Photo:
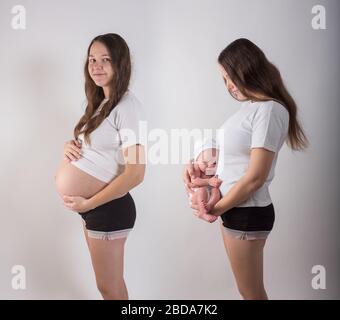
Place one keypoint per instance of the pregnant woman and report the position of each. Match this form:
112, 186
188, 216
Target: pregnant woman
252, 139
105, 161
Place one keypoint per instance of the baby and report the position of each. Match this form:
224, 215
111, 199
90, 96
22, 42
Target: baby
207, 192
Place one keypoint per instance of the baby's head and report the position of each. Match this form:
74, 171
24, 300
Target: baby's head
207, 161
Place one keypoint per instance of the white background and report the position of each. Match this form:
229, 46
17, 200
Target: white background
174, 44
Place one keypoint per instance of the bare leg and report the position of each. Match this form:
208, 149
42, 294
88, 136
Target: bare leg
202, 199
214, 198
86, 236
108, 263
246, 259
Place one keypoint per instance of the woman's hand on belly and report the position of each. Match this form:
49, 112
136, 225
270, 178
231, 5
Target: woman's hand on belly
72, 150
77, 203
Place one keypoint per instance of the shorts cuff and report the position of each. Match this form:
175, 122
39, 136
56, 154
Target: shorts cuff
108, 235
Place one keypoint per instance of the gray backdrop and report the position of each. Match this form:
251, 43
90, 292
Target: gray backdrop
174, 44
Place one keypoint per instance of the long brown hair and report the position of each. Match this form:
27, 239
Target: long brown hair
121, 63
252, 73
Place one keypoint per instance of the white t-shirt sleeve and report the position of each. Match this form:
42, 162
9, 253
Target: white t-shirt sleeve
128, 118
269, 127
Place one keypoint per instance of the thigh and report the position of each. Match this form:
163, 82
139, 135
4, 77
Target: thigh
107, 259
246, 260
85, 234
214, 195
202, 194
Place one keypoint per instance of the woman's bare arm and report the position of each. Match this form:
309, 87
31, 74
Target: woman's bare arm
260, 163
132, 176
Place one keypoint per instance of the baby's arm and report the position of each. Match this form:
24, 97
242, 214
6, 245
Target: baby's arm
197, 171
198, 181
214, 182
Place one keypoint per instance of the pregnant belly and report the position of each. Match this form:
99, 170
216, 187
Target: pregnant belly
72, 181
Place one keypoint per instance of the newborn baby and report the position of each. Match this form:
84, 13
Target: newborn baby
207, 191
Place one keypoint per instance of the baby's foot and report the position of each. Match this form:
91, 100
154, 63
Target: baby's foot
203, 212
202, 208
209, 218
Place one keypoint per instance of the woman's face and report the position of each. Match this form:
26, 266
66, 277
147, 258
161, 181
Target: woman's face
99, 67
232, 88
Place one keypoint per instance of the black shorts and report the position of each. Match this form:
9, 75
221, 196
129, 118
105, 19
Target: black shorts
249, 218
115, 216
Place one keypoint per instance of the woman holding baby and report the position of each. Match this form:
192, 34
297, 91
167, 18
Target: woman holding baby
249, 147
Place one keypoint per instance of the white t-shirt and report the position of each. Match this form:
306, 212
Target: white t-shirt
104, 158
254, 125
